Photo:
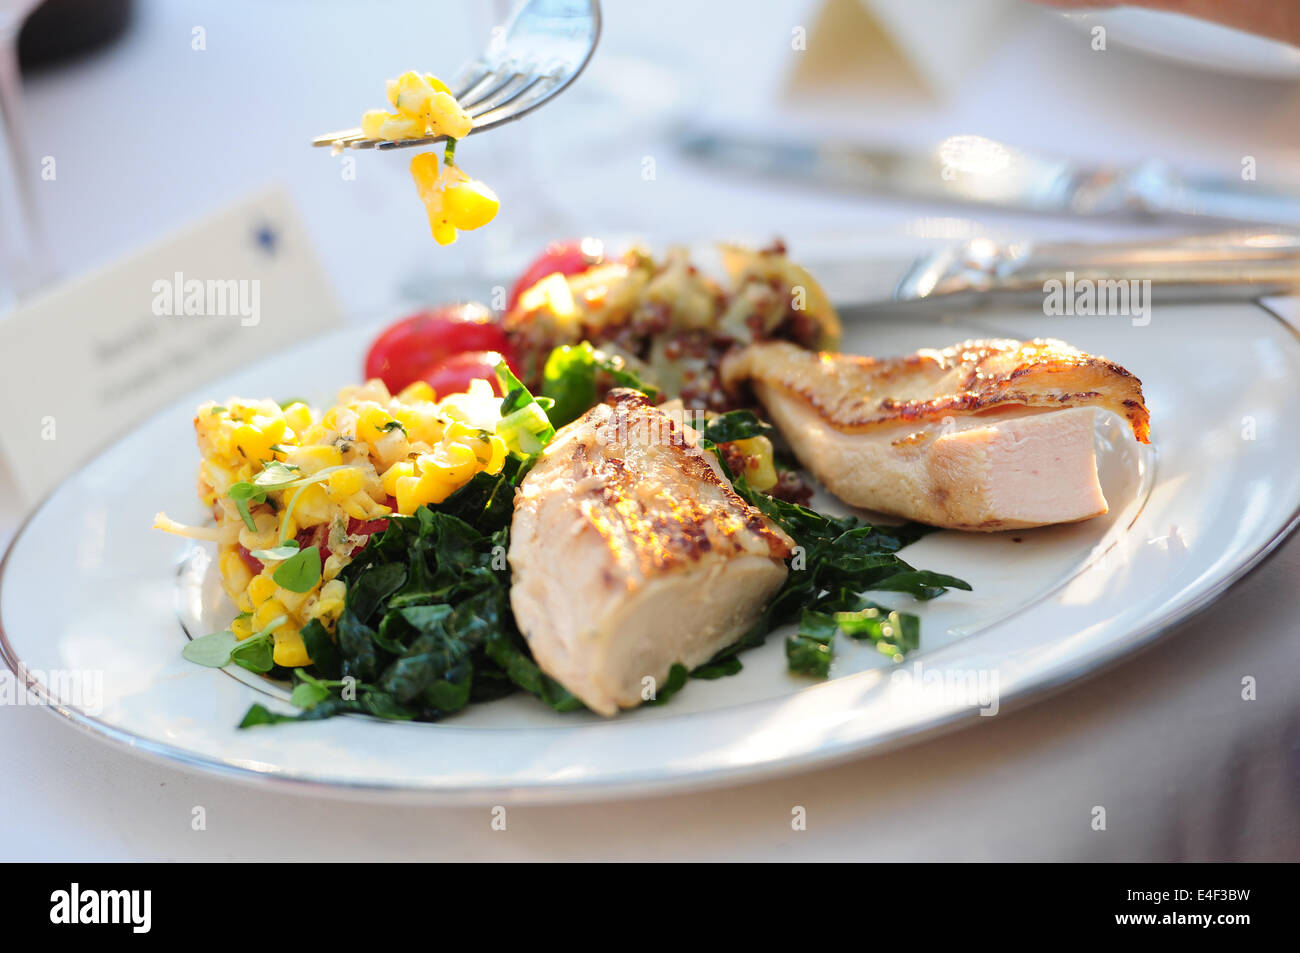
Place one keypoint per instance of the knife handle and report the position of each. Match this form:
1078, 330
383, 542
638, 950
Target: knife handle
1222, 265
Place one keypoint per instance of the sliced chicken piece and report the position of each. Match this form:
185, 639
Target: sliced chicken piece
631, 552
984, 435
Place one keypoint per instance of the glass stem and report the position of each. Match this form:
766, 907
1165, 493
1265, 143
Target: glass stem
30, 263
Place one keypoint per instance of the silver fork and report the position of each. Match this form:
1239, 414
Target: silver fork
545, 46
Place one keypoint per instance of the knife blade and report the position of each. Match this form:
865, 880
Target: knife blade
975, 170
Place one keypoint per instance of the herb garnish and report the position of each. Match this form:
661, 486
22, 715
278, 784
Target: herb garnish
570, 376
300, 572
219, 649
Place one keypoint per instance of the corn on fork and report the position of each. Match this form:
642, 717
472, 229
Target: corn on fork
544, 47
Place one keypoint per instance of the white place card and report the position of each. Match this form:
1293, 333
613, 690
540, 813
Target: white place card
84, 361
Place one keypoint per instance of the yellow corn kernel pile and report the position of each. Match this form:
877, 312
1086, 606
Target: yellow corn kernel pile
372, 454
423, 105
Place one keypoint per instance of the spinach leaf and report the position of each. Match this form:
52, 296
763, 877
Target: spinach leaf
320, 648
809, 650
261, 715
836, 559
673, 684
736, 425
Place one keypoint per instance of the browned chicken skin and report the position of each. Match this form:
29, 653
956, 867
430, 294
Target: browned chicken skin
983, 435
631, 553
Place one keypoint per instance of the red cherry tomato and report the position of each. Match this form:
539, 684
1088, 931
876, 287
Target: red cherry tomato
405, 350
453, 374
568, 258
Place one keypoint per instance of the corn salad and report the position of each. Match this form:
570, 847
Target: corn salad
331, 480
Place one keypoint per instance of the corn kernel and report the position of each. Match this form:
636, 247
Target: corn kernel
760, 470
355, 510
242, 627
372, 121
235, 575
406, 489
444, 233
399, 126
449, 462
424, 169
268, 612
416, 391
252, 443
498, 458
313, 507
260, 589
414, 95
292, 600
434, 488
290, 650
470, 204
345, 483
315, 458
272, 428
372, 422
298, 416
398, 470
330, 604
447, 115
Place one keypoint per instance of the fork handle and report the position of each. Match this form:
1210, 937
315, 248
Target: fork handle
1224, 265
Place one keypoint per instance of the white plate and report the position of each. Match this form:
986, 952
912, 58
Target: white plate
1196, 43
88, 586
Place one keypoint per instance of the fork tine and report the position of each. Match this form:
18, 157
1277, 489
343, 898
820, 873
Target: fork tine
468, 77
332, 137
535, 89
502, 94
488, 85
385, 145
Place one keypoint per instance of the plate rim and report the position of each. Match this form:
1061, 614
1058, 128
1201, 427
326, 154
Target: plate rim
627, 788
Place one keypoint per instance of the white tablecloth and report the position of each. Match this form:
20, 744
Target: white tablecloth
1185, 768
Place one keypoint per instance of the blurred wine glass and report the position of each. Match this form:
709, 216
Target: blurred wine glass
23, 262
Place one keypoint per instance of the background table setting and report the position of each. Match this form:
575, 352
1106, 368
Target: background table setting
192, 138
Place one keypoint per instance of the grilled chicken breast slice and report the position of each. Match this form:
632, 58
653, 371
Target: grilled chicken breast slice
631, 552
984, 435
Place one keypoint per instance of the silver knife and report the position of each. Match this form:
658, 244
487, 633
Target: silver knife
971, 169
1235, 265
